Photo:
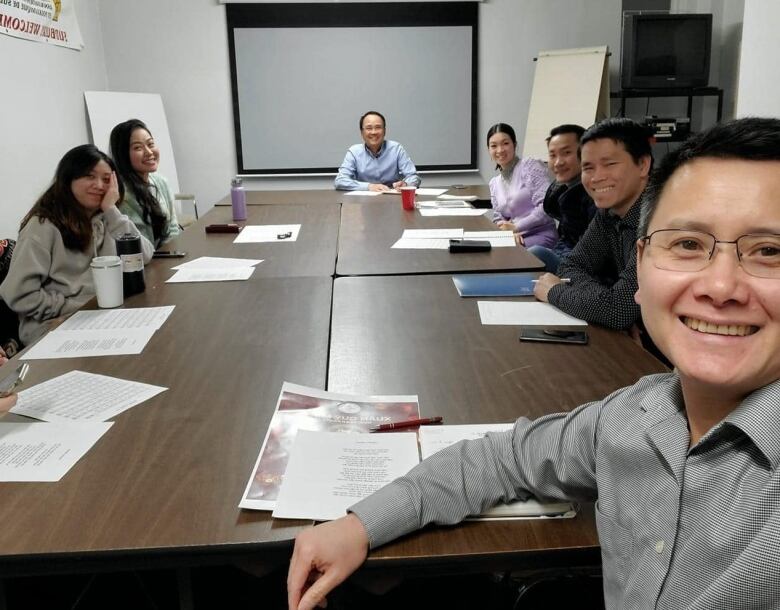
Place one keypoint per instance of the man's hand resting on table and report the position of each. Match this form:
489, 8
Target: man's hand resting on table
324, 556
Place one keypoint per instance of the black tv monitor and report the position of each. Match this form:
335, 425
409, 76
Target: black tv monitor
664, 51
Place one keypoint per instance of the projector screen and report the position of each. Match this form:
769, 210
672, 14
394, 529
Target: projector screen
300, 87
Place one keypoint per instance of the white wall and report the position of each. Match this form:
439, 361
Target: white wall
758, 87
42, 111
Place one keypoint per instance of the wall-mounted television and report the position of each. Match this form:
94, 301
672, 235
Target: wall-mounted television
663, 51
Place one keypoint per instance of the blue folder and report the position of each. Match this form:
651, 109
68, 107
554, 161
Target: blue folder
495, 284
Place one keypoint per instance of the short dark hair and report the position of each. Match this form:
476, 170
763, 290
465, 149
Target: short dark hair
502, 128
379, 114
59, 206
634, 137
577, 130
749, 139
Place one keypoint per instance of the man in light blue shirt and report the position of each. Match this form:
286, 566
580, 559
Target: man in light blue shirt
377, 164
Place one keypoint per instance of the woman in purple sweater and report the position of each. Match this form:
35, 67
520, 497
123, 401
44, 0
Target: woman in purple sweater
517, 193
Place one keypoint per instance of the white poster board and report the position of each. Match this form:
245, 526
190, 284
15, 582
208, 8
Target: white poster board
109, 108
570, 86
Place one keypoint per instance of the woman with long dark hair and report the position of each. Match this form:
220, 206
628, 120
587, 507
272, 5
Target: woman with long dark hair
517, 193
148, 199
74, 220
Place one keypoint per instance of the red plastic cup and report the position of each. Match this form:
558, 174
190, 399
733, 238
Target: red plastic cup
407, 197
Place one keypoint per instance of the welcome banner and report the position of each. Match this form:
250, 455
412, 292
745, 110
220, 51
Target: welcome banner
50, 21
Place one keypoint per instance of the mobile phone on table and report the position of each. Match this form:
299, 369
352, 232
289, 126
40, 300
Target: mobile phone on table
9, 384
169, 254
578, 337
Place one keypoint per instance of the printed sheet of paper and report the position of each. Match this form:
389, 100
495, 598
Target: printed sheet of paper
362, 193
421, 192
253, 234
512, 313
497, 239
101, 332
218, 262
444, 203
45, 452
457, 197
303, 408
447, 211
436, 438
211, 275
87, 343
80, 396
432, 234
329, 471
143, 318
421, 244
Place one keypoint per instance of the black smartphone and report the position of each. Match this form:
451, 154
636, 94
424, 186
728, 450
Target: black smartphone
9, 384
169, 254
578, 337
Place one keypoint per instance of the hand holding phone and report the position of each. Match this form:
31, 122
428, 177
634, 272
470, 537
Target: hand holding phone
9, 384
578, 337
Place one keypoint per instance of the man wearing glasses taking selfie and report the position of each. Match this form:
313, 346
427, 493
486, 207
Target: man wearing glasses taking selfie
684, 466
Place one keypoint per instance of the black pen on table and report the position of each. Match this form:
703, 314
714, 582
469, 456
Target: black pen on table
409, 423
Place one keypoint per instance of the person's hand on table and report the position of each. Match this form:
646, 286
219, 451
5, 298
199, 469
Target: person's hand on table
7, 402
519, 239
378, 187
323, 557
399, 184
3, 357
543, 285
505, 225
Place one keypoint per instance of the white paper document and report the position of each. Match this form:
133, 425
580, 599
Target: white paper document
101, 332
45, 452
497, 239
513, 313
447, 211
211, 275
329, 471
80, 396
449, 203
456, 197
218, 262
421, 192
150, 318
421, 244
253, 234
86, 343
362, 193
432, 234
436, 438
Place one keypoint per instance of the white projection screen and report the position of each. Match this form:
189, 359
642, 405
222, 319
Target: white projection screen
301, 83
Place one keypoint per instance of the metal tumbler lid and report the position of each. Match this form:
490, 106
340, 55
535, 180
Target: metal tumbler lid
236, 181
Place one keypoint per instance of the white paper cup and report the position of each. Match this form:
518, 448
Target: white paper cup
107, 277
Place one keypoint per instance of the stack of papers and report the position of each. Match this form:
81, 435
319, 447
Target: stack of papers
214, 269
362, 193
421, 192
497, 239
525, 314
451, 211
456, 197
253, 234
101, 332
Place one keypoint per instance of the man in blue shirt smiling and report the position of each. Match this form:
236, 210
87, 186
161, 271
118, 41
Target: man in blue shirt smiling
377, 164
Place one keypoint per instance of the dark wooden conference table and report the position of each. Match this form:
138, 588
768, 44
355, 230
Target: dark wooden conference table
161, 488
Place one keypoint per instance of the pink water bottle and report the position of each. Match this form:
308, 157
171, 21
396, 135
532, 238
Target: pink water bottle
238, 199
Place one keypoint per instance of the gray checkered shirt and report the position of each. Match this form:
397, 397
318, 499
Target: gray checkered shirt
679, 527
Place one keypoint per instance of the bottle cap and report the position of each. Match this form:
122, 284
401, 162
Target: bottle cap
236, 182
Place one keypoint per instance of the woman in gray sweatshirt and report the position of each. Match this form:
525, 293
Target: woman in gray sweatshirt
75, 220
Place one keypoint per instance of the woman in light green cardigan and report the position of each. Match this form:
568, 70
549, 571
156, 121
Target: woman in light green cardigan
148, 200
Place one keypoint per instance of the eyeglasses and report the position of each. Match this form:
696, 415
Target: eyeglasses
683, 250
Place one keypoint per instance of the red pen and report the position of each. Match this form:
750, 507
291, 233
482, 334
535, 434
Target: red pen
409, 423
